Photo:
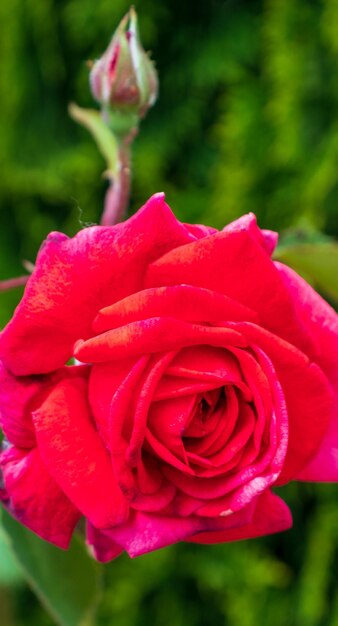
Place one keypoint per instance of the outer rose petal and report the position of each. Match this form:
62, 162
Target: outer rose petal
74, 278
266, 238
271, 515
35, 499
19, 396
319, 317
322, 320
15, 418
324, 466
75, 456
235, 264
145, 532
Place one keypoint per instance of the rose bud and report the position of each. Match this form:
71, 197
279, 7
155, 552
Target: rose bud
124, 78
209, 376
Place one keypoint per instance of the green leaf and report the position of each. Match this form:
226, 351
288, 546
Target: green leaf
317, 262
10, 572
67, 583
104, 138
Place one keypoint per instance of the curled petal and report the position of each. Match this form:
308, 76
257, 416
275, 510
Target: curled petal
180, 301
153, 335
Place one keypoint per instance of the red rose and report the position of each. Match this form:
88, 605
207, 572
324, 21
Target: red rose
208, 376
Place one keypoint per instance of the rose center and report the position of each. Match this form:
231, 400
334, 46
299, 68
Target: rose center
202, 419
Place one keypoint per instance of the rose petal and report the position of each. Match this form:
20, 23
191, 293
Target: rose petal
145, 532
120, 417
200, 230
15, 418
75, 455
149, 477
181, 301
235, 264
172, 386
102, 548
152, 335
160, 450
74, 278
324, 466
307, 394
206, 363
318, 316
144, 400
267, 239
35, 499
157, 501
224, 422
19, 396
271, 515
243, 431
244, 484
167, 422
323, 323
104, 381
201, 368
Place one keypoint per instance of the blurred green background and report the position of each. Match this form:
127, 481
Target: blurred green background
246, 121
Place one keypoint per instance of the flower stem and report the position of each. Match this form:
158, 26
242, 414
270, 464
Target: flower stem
118, 193
11, 283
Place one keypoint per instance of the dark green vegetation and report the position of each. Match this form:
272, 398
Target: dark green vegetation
246, 121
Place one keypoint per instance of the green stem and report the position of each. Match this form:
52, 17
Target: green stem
113, 135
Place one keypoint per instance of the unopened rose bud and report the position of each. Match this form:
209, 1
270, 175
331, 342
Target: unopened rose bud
124, 78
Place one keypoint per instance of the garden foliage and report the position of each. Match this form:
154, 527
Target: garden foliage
246, 121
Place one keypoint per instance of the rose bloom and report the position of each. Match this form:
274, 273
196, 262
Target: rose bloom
205, 374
